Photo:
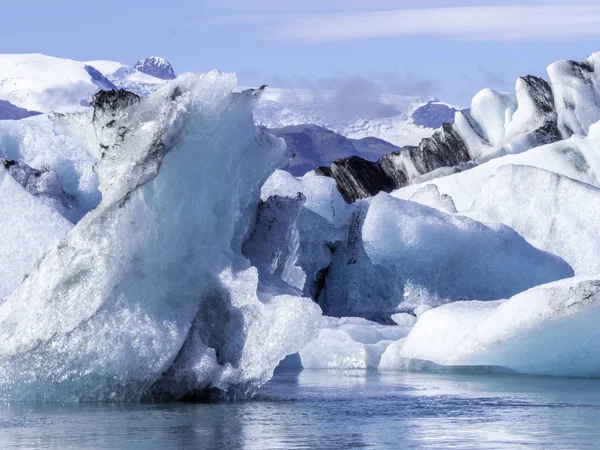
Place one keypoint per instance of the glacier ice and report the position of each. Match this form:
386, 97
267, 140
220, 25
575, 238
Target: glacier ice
380, 256
149, 295
351, 343
576, 157
576, 91
493, 112
29, 229
552, 212
401, 255
429, 195
498, 124
548, 330
44, 144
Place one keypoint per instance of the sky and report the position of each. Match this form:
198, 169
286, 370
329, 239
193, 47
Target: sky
428, 48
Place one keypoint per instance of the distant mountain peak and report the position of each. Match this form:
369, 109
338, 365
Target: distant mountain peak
157, 67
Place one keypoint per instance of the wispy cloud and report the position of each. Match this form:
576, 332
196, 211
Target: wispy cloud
485, 23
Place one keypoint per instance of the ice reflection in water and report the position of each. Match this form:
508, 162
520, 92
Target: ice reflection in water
326, 409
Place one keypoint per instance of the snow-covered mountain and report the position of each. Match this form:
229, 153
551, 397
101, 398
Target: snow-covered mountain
41, 83
399, 120
203, 265
156, 67
315, 146
128, 78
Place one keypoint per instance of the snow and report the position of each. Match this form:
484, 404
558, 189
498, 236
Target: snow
553, 212
350, 343
157, 67
43, 83
171, 306
434, 115
548, 330
128, 78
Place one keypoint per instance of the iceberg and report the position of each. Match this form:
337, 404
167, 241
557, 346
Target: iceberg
548, 330
401, 255
149, 296
576, 157
351, 343
552, 212
380, 256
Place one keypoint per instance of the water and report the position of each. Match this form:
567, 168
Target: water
323, 410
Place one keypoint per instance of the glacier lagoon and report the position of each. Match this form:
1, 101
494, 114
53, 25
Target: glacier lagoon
333, 409
153, 281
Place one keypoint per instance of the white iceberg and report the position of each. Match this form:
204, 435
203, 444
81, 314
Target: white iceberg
149, 295
380, 256
548, 330
401, 255
552, 212
351, 343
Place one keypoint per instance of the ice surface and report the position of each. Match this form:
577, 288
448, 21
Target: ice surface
576, 89
29, 229
149, 295
401, 255
553, 212
577, 158
429, 195
493, 112
382, 255
350, 343
299, 221
548, 330
41, 143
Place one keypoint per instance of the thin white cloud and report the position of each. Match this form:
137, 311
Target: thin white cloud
487, 23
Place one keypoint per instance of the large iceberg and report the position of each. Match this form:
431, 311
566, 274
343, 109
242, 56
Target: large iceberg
149, 295
548, 330
401, 255
577, 157
382, 255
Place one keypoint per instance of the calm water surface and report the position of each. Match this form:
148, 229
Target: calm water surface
323, 410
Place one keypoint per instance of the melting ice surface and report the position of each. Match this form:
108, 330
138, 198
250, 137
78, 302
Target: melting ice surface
328, 409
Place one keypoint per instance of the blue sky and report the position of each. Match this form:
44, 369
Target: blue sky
448, 49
